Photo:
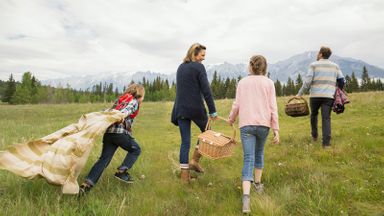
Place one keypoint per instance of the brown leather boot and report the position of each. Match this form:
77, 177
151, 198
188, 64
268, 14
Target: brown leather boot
184, 175
194, 163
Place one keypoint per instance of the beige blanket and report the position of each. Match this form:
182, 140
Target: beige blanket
60, 156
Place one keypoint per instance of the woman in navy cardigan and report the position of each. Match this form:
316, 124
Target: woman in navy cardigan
191, 87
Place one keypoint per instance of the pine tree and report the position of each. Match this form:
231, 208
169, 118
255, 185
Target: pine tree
10, 89
278, 88
299, 83
215, 86
23, 93
365, 80
290, 88
354, 86
347, 86
379, 84
284, 90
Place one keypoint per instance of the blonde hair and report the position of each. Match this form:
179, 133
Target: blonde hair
136, 90
193, 51
258, 65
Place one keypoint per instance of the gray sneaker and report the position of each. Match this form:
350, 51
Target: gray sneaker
259, 187
246, 204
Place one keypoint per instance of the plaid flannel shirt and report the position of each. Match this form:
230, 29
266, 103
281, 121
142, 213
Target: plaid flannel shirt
125, 126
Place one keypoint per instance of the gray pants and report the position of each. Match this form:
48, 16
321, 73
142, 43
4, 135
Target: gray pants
326, 106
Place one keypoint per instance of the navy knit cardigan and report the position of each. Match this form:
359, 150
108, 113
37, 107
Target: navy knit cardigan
191, 87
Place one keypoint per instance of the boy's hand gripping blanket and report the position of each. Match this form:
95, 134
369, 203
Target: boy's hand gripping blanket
60, 156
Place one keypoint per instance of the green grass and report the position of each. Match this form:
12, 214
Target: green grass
300, 177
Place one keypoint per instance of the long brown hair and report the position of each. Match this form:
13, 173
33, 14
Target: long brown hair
258, 65
193, 51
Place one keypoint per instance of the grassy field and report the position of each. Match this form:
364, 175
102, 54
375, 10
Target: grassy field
300, 177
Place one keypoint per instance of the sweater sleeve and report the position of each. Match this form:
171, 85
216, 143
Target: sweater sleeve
273, 108
235, 106
307, 82
206, 90
131, 107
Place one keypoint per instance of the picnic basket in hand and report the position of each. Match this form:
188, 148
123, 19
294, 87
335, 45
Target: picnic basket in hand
215, 145
297, 107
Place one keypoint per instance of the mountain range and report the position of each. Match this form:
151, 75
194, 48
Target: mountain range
291, 67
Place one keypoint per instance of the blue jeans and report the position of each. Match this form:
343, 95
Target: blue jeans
111, 141
253, 139
185, 133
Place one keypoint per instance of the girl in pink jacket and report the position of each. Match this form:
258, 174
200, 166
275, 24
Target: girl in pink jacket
256, 106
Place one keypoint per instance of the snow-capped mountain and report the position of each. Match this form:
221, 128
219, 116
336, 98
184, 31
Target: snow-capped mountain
299, 64
281, 70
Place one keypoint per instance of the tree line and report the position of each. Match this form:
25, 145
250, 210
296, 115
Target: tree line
30, 90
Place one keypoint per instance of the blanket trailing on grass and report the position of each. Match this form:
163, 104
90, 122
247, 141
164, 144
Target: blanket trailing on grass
60, 156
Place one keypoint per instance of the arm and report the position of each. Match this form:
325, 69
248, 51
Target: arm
206, 90
307, 82
340, 81
131, 108
115, 104
273, 108
235, 107
274, 115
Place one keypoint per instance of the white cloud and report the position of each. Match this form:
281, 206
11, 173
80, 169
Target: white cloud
63, 38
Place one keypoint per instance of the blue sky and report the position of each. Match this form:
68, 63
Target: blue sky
55, 39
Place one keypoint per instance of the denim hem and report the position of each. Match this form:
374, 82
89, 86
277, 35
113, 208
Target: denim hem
90, 182
123, 168
245, 178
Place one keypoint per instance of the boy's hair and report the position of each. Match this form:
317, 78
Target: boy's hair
136, 90
193, 51
326, 52
258, 65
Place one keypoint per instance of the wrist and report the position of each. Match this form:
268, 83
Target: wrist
213, 114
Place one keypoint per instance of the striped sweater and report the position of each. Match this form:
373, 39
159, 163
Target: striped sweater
321, 79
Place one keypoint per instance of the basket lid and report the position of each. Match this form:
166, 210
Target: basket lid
214, 138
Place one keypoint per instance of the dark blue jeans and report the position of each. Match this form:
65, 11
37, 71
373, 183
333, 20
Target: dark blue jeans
326, 107
111, 142
185, 133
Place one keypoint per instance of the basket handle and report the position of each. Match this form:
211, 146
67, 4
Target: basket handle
300, 98
223, 119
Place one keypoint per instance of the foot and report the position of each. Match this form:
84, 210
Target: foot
246, 204
259, 187
124, 176
326, 147
193, 165
185, 176
314, 139
85, 188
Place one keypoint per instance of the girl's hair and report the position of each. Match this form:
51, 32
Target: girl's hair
193, 51
136, 90
258, 65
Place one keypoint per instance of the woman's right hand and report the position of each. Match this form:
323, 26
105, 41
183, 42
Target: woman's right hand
276, 137
229, 122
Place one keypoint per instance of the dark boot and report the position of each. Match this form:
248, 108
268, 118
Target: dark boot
194, 163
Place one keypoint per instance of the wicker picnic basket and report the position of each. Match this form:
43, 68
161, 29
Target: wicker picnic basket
297, 107
215, 145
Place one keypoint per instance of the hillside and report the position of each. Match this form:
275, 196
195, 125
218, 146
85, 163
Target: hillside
300, 177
